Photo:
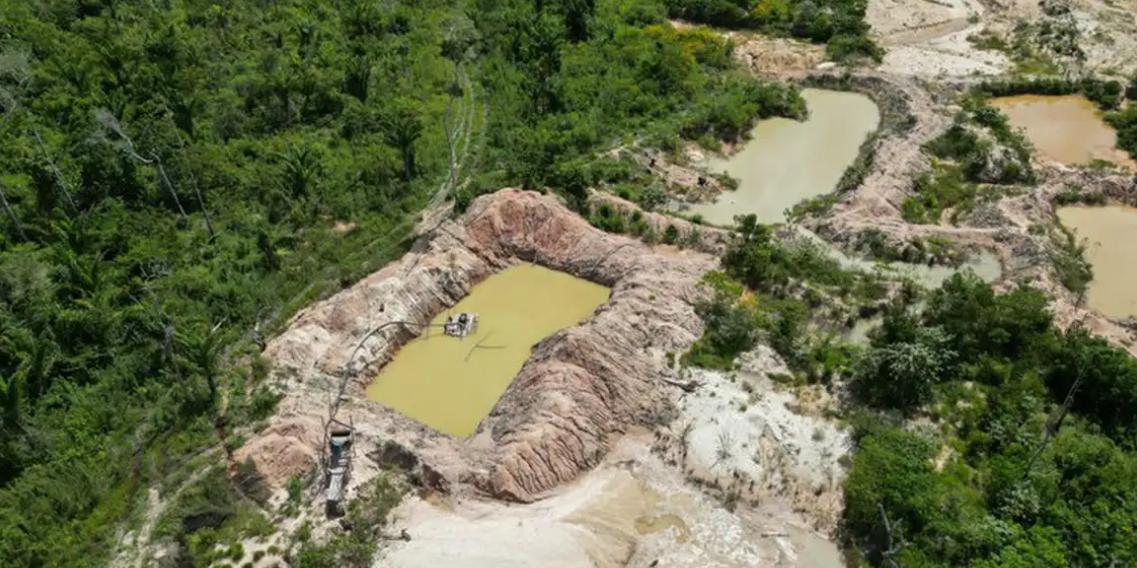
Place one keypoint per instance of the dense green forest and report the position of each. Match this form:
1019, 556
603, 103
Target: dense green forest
177, 178
1002, 474
985, 436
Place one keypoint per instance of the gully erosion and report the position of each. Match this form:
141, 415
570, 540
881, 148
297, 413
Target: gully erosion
579, 388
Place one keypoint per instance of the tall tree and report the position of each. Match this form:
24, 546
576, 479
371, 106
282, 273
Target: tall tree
578, 16
402, 128
202, 349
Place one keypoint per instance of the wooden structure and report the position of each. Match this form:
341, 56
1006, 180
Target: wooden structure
341, 438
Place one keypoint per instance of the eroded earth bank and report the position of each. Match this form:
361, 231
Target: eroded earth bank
599, 426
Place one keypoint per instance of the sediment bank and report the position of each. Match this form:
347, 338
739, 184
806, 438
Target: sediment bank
580, 387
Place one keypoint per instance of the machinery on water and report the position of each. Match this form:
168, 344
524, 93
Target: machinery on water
461, 325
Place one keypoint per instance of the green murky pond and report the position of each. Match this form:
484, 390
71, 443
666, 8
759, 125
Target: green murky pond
983, 264
651, 524
1109, 233
787, 161
451, 384
1068, 129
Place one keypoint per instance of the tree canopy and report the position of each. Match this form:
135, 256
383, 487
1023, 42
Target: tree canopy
177, 178
1001, 475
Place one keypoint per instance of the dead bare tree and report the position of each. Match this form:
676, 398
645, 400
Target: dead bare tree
893, 545
60, 182
1054, 423
451, 141
14, 77
124, 143
15, 69
12, 214
197, 190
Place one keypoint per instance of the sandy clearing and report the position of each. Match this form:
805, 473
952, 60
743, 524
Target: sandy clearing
645, 507
929, 38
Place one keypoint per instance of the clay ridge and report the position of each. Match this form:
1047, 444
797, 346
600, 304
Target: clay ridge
580, 388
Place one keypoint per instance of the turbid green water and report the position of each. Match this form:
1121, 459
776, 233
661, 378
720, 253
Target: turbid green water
985, 265
1110, 232
451, 384
648, 524
787, 161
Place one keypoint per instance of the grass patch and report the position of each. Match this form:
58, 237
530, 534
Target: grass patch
355, 543
942, 188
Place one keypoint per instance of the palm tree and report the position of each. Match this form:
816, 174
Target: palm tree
402, 128
202, 350
301, 167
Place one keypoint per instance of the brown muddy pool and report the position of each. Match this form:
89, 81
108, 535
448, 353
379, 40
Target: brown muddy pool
1109, 233
451, 384
1068, 129
787, 161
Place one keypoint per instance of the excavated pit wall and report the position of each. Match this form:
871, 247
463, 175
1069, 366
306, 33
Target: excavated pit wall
580, 388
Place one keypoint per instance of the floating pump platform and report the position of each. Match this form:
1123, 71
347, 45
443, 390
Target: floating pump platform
461, 325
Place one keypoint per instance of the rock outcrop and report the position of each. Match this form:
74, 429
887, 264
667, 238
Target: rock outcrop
581, 386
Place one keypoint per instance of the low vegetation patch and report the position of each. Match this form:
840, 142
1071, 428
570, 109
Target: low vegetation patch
984, 146
354, 543
1073, 195
1125, 122
876, 245
942, 188
773, 291
613, 220
209, 519
1107, 94
1069, 259
1043, 46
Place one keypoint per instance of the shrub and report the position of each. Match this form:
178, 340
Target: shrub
1069, 260
935, 191
901, 374
1126, 124
847, 47
729, 330
978, 321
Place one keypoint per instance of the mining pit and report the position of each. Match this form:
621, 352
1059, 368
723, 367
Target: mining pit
451, 383
579, 387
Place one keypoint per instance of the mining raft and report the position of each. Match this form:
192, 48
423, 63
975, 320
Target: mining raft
461, 325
